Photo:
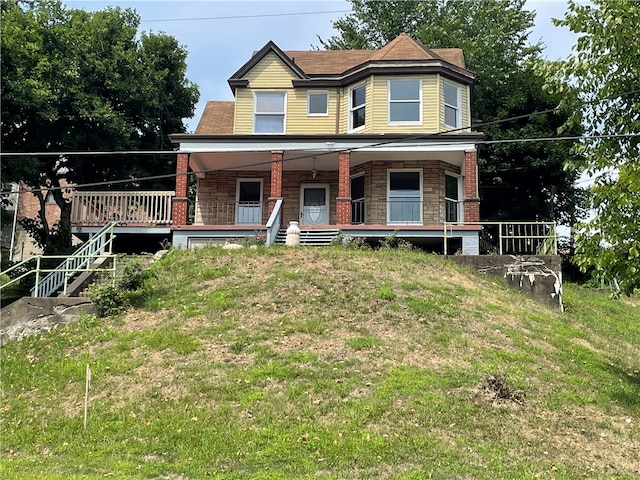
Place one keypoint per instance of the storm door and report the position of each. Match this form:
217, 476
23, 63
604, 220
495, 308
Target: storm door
314, 208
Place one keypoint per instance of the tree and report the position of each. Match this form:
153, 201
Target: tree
518, 181
79, 81
605, 72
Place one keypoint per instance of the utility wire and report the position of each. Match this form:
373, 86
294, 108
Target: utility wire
231, 17
301, 157
318, 154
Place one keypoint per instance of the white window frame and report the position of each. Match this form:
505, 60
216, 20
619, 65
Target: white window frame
405, 170
283, 113
457, 108
326, 96
353, 108
252, 180
458, 177
390, 101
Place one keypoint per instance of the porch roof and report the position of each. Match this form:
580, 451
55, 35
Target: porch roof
198, 143
304, 152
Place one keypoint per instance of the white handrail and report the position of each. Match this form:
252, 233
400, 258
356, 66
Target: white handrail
274, 222
80, 260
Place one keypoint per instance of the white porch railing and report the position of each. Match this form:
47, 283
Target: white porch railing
97, 208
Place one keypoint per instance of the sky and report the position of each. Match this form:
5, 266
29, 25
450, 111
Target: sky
217, 47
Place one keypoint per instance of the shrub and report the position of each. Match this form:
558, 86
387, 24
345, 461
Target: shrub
133, 276
108, 299
393, 242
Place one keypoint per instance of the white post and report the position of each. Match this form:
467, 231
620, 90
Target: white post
86, 395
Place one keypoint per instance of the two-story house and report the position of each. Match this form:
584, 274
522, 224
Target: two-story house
364, 141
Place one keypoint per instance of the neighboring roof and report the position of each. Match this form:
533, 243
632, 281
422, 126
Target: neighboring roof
217, 119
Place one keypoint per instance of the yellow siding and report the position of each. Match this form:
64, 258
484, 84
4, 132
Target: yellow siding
270, 73
296, 121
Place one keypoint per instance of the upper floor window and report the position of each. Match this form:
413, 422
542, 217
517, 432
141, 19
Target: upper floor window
405, 100
357, 100
452, 105
269, 112
318, 104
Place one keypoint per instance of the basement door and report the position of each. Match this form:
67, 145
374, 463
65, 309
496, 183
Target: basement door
314, 204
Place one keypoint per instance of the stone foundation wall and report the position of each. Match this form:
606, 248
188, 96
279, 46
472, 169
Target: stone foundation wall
32, 316
540, 277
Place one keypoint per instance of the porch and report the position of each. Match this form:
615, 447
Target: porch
143, 212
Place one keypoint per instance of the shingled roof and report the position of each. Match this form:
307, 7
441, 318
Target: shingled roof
308, 65
217, 119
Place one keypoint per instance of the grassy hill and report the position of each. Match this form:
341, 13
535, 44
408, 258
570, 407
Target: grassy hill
329, 364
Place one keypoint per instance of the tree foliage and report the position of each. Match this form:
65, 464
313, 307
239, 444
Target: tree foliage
605, 70
518, 181
85, 81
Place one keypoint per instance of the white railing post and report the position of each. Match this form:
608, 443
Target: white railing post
66, 276
37, 276
500, 238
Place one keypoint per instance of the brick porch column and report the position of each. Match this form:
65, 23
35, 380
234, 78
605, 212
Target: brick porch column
276, 180
343, 202
471, 199
180, 203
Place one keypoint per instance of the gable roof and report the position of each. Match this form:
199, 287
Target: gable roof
217, 119
306, 65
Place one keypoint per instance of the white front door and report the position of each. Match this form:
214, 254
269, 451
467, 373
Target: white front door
314, 204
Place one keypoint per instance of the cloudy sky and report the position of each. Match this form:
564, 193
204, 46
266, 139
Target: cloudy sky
220, 36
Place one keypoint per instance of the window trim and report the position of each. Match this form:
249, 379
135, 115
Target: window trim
420, 171
389, 101
283, 113
457, 108
317, 92
353, 109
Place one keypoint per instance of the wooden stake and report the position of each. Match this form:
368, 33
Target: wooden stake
86, 395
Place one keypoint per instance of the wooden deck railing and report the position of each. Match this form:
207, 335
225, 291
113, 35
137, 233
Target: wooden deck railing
137, 208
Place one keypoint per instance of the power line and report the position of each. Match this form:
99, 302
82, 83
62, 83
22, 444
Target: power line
302, 157
317, 154
232, 17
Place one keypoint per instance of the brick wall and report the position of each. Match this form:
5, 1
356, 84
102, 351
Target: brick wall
221, 187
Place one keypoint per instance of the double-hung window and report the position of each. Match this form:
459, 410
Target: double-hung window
405, 101
317, 104
269, 112
357, 100
452, 105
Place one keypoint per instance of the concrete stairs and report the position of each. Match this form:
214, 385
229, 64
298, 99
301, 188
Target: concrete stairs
317, 237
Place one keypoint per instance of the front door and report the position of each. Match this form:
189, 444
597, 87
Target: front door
314, 204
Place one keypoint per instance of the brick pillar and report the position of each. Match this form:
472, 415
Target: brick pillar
471, 199
343, 202
180, 202
276, 180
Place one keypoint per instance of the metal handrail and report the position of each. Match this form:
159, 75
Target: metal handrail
77, 262
534, 238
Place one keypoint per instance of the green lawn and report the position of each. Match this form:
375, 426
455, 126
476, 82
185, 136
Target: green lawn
330, 364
